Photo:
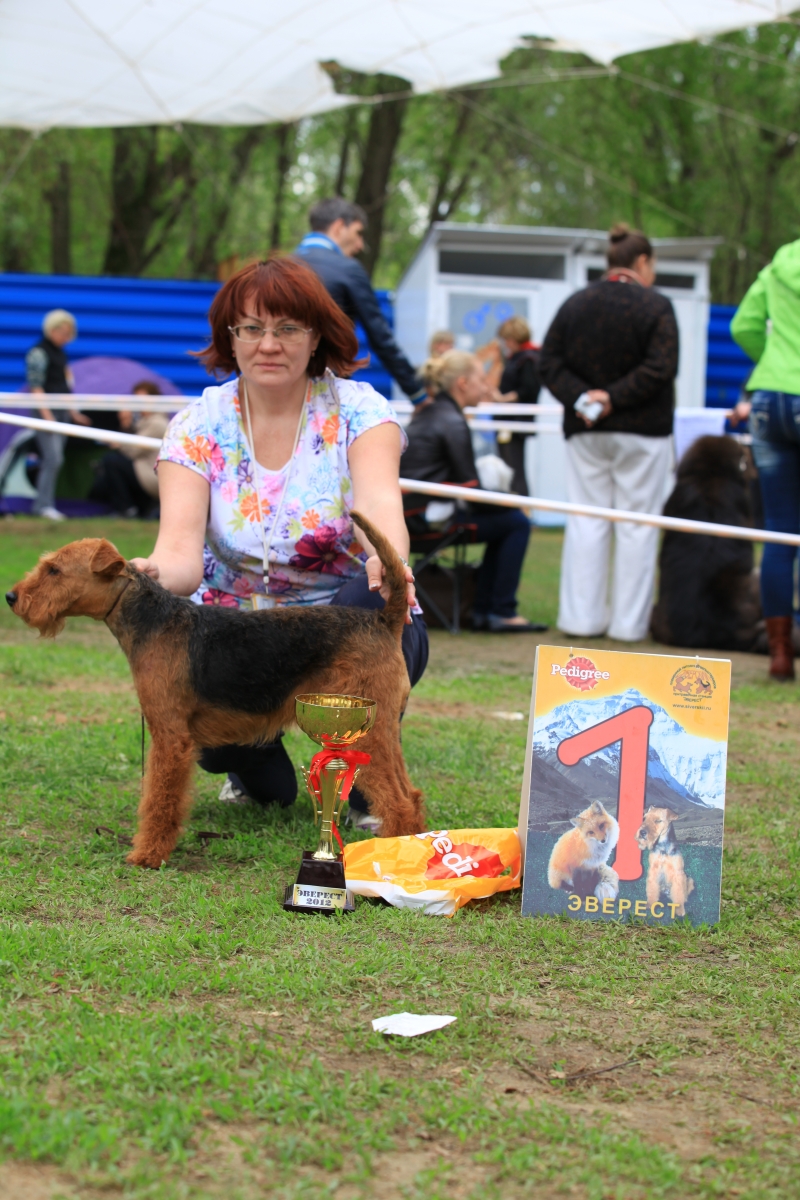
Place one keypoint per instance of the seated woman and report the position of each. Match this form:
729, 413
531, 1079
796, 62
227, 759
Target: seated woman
440, 451
125, 477
258, 477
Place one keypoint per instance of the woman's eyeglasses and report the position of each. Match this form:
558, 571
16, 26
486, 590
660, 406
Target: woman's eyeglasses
285, 332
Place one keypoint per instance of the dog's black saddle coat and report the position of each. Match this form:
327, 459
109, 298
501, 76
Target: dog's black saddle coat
246, 661
251, 662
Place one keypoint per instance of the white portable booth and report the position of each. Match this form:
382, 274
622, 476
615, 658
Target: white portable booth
469, 278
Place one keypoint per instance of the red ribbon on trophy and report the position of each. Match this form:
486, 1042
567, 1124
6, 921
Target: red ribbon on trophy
354, 760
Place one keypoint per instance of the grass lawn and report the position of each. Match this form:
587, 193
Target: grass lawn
174, 1034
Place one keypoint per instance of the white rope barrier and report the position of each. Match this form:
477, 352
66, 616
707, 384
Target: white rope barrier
88, 401
80, 431
528, 427
109, 402
477, 418
449, 491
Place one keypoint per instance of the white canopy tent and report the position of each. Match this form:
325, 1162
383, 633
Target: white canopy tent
134, 62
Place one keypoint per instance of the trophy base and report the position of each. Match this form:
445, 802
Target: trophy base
320, 887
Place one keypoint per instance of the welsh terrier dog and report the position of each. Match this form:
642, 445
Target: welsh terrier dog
208, 676
666, 871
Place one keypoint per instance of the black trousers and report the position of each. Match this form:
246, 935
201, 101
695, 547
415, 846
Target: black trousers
115, 484
513, 455
506, 532
265, 771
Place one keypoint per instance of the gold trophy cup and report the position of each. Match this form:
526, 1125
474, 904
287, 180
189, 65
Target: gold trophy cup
335, 723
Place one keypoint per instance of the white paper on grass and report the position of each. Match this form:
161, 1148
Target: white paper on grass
410, 1024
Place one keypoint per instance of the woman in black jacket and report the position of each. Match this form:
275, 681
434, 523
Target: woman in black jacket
440, 451
611, 357
519, 384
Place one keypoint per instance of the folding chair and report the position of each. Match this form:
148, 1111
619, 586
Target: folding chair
429, 548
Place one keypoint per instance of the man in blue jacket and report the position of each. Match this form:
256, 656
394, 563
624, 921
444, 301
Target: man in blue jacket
337, 236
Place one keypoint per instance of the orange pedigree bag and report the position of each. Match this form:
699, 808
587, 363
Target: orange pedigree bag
436, 872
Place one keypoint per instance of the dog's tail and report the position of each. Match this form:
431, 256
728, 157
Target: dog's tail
397, 604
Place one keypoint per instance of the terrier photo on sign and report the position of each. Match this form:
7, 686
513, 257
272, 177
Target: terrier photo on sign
580, 856
666, 872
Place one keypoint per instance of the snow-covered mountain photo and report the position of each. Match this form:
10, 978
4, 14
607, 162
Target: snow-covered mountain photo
684, 772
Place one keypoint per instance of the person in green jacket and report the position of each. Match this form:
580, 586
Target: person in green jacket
767, 327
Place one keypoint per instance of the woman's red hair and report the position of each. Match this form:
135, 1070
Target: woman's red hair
283, 287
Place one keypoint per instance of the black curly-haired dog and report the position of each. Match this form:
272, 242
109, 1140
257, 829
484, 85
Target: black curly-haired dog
708, 591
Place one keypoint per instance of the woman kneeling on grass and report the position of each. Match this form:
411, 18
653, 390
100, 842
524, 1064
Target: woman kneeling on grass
258, 477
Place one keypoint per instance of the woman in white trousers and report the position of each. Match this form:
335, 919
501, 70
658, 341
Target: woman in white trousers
611, 357
612, 470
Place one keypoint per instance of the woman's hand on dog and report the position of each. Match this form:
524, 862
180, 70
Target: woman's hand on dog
376, 576
147, 566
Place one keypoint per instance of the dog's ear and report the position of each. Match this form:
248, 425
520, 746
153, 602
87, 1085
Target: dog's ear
107, 560
672, 816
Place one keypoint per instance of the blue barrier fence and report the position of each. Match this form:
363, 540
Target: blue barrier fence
728, 366
157, 322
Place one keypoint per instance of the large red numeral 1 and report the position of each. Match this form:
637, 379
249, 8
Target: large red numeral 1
632, 728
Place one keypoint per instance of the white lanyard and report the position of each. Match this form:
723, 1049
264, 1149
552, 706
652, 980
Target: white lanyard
266, 601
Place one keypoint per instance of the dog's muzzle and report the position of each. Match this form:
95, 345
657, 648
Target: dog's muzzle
11, 599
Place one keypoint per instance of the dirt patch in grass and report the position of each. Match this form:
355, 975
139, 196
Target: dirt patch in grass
458, 711
680, 1100
91, 685
30, 1181
515, 654
242, 1152
444, 1159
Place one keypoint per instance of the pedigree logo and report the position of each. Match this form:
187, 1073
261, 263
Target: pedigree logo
451, 862
580, 673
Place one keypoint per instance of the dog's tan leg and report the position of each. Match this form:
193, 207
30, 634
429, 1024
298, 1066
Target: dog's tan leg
166, 797
387, 787
652, 889
680, 891
385, 781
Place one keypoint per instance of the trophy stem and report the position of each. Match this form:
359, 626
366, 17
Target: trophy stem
331, 778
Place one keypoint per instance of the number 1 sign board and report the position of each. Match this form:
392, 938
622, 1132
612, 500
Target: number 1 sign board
624, 791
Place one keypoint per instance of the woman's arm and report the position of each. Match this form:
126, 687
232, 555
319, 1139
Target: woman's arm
749, 324
177, 559
374, 460
554, 372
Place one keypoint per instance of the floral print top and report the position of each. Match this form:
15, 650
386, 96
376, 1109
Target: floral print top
313, 551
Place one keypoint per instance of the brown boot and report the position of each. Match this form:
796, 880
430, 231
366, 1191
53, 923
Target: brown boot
781, 650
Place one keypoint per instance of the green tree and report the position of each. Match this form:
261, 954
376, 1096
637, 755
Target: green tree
693, 139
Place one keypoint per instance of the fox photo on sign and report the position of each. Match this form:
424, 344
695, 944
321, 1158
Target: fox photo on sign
623, 799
